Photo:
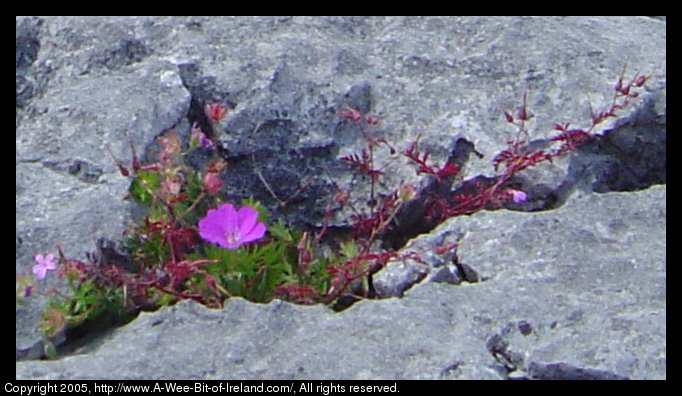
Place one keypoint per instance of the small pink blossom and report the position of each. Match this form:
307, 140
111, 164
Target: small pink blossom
230, 228
43, 264
517, 196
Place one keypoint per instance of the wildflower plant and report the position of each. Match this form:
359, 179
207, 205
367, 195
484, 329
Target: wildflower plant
193, 243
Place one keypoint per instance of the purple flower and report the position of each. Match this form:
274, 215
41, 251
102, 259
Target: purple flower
43, 264
518, 196
230, 228
198, 136
206, 142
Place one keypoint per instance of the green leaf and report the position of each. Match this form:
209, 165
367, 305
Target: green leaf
165, 299
49, 349
193, 186
141, 185
280, 231
349, 249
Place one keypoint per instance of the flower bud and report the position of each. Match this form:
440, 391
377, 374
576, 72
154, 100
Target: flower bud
212, 183
406, 192
215, 111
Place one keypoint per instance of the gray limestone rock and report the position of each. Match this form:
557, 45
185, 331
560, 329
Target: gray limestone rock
85, 84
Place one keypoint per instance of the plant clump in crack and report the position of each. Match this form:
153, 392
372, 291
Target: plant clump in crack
194, 244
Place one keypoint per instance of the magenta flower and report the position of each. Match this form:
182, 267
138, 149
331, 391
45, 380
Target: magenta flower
43, 264
230, 228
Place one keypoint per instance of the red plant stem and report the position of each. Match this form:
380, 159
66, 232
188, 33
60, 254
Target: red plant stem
325, 224
381, 227
365, 252
372, 180
193, 205
196, 297
346, 283
170, 246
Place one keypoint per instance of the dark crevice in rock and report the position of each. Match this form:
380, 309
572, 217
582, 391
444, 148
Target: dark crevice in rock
450, 368
88, 337
413, 219
27, 43
202, 91
509, 362
524, 327
512, 364
26, 52
112, 253
564, 371
344, 302
466, 273
629, 157
508, 359
83, 170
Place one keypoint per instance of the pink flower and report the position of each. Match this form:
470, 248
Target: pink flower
43, 264
230, 228
517, 196
215, 111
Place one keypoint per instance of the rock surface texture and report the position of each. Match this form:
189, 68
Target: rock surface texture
575, 292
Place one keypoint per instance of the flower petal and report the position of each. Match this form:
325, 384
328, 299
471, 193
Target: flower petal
228, 216
247, 219
255, 233
39, 271
212, 227
49, 262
